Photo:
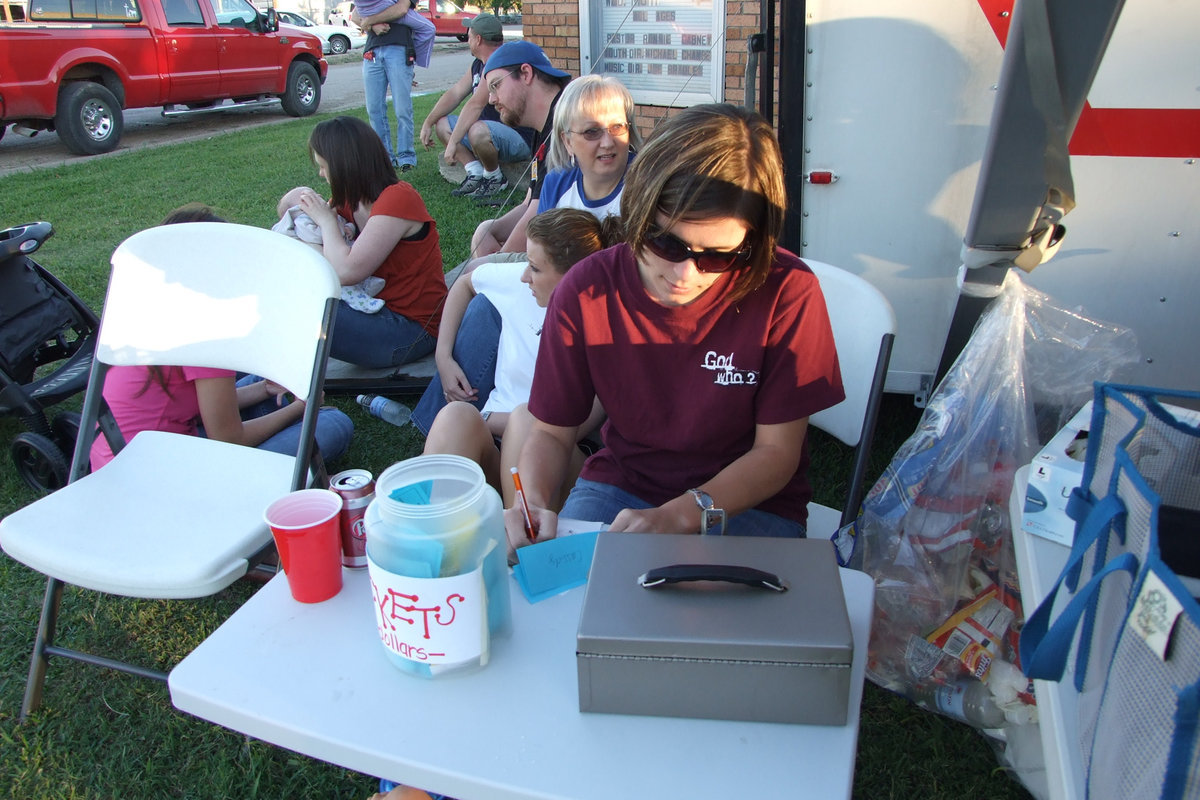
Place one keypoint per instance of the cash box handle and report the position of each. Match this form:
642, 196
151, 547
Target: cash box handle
683, 573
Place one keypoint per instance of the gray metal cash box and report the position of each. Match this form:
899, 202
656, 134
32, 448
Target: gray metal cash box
691, 646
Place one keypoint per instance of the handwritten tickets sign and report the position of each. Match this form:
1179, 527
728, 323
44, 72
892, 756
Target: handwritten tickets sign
434, 621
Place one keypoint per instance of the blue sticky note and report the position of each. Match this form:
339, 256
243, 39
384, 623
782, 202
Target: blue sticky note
415, 494
549, 568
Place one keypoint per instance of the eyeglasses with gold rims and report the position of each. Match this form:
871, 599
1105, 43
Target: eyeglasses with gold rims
616, 130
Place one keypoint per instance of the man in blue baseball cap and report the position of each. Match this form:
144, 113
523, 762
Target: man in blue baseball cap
524, 87
475, 136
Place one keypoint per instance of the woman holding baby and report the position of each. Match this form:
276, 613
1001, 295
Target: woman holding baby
396, 240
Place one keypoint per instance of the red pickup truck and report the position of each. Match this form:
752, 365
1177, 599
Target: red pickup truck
72, 67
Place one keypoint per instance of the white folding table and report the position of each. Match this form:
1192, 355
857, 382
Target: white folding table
314, 679
1039, 562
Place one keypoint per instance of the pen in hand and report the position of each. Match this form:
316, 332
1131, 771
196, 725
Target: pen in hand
524, 506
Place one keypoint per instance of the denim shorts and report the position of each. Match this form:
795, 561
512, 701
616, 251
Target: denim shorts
509, 143
601, 502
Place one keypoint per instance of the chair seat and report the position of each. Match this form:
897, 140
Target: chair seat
823, 521
142, 526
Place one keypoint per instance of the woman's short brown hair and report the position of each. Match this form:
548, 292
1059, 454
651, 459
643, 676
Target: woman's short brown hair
710, 161
359, 167
568, 235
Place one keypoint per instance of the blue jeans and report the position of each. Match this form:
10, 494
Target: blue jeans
601, 502
382, 339
333, 429
475, 349
390, 68
510, 145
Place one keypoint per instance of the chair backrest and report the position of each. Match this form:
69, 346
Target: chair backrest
864, 327
214, 294
210, 294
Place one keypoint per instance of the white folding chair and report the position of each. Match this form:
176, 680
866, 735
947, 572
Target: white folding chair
864, 328
172, 515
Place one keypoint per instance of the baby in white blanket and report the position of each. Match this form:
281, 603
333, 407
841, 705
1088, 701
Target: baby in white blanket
298, 225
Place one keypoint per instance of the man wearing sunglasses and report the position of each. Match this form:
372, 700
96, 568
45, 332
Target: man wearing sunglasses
524, 88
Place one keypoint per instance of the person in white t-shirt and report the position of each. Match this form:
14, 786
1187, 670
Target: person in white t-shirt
520, 292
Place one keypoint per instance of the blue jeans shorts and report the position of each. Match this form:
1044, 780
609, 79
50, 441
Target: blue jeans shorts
601, 502
509, 144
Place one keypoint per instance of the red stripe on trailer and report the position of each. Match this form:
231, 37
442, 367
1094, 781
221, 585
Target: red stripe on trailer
1137, 132
1125, 132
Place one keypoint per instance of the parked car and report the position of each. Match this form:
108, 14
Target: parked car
81, 66
341, 14
338, 39
447, 18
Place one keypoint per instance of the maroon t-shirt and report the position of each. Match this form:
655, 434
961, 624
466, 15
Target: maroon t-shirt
684, 386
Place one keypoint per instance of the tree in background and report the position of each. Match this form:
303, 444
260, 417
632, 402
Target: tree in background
501, 7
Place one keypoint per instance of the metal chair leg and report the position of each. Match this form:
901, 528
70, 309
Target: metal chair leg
44, 639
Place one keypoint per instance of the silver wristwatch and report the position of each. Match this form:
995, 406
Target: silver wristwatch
712, 520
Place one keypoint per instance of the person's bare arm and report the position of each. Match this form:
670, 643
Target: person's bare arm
220, 413
444, 106
543, 465
516, 242
466, 118
454, 380
378, 238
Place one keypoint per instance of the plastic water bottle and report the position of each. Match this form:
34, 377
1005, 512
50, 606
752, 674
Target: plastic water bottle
966, 700
385, 408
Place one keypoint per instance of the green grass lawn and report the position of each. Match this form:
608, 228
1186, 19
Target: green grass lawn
105, 735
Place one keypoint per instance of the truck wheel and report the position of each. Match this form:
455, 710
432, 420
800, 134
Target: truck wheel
338, 45
303, 93
89, 119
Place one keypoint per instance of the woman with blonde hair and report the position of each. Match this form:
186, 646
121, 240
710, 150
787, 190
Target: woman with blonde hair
593, 143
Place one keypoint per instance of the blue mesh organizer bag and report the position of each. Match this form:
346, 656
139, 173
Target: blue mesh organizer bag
1123, 616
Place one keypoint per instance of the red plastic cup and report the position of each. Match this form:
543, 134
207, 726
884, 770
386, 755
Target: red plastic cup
306, 525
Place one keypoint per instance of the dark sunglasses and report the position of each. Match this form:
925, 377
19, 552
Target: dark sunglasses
669, 247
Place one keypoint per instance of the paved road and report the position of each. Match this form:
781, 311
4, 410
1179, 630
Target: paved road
147, 127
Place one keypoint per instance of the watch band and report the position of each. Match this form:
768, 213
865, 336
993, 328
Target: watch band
712, 520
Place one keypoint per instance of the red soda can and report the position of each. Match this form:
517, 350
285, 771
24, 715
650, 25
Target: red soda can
357, 488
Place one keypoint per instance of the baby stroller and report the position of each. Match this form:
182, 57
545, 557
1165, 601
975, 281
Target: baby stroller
47, 338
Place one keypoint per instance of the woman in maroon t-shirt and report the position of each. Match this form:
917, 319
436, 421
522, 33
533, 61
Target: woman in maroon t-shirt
707, 346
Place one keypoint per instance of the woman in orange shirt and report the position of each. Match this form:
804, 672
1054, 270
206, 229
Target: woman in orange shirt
397, 241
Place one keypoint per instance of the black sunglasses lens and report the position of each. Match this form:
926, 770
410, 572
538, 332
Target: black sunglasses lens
666, 246
669, 247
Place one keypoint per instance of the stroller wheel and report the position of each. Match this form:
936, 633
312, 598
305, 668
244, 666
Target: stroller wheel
40, 462
65, 426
